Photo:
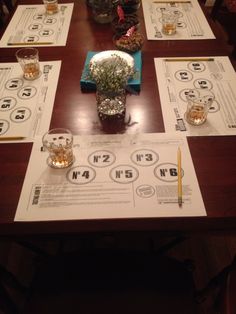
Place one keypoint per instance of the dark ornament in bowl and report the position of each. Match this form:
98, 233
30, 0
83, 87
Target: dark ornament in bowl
121, 26
129, 43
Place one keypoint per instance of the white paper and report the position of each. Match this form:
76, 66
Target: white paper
192, 23
26, 106
31, 26
113, 176
176, 78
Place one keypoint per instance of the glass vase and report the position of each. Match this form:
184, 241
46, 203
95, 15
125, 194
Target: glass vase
102, 11
111, 104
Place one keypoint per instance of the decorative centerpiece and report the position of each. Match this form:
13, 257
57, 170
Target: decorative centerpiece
122, 22
111, 70
131, 42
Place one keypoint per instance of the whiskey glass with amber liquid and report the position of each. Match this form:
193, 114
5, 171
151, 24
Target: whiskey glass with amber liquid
59, 143
51, 6
199, 102
28, 59
169, 21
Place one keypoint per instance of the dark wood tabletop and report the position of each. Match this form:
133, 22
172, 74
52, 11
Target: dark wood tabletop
214, 157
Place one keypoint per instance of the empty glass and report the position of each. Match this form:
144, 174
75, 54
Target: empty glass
102, 11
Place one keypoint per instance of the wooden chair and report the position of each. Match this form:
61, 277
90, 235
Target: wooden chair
227, 296
223, 287
224, 11
12, 291
9, 282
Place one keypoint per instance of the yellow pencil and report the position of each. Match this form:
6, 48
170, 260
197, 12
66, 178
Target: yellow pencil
180, 193
30, 44
11, 138
188, 59
161, 1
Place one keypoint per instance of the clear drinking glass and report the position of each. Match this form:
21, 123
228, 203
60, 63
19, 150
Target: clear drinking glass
28, 58
169, 22
199, 102
51, 6
102, 11
111, 104
59, 143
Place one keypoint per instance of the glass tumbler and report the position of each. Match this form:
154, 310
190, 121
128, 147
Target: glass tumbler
199, 102
59, 143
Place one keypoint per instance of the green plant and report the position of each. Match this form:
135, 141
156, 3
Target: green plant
111, 74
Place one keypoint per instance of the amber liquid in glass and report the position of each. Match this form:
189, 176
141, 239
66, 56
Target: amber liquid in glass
31, 71
196, 115
169, 28
51, 8
60, 157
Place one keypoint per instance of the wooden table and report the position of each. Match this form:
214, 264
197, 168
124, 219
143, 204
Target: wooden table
214, 158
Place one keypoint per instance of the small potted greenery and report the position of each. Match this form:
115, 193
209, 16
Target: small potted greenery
111, 76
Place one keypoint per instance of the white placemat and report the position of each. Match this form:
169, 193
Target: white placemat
31, 26
176, 76
192, 23
113, 176
26, 106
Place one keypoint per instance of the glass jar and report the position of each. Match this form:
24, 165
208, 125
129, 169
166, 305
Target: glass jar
102, 11
111, 104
